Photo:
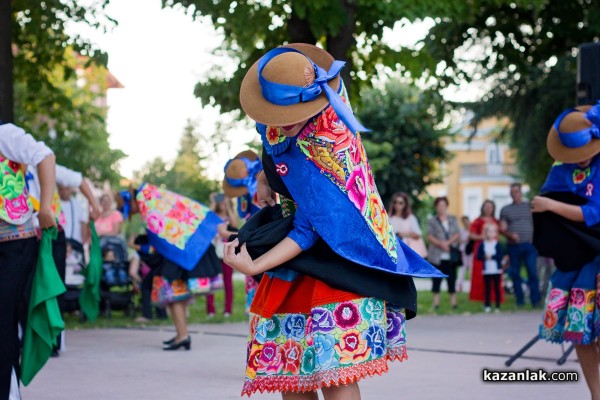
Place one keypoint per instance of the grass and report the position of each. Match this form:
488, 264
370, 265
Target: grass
198, 310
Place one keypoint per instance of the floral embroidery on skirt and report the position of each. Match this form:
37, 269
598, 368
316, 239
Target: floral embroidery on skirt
572, 311
337, 343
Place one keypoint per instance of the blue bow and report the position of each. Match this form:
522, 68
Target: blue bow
126, 209
584, 136
250, 181
285, 95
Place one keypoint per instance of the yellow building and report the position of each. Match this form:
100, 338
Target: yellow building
481, 168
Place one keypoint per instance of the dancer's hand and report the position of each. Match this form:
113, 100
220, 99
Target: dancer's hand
264, 194
541, 204
241, 261
46, 218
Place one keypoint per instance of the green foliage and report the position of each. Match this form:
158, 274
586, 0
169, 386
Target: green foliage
350, 30
68, 120
185, 175
404, 146
49, 103
525, 53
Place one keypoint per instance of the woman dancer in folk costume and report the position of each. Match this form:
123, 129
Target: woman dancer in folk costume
240, 181
567, 229
180, 230
331, 307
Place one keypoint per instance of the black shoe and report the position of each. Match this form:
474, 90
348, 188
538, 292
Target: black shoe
170, 341
185, 343
54, 353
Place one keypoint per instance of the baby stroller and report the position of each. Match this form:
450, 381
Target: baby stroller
116, 288
73, 279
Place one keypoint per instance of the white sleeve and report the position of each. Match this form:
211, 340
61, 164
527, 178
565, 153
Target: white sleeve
67, 177
414, 225
21, 147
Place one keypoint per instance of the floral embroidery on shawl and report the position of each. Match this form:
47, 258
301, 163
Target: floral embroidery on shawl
169, 215
341, 157
15, 205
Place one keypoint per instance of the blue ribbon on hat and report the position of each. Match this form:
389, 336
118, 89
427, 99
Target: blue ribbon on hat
250, 181
286, 95
126, 209
581, 137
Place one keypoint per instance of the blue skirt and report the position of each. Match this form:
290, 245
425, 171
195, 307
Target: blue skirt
572, 310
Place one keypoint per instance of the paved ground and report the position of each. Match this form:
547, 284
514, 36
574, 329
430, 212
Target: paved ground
446, 358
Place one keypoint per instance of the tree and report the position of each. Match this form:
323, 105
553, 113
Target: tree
39, 86
525, 54
33, 40
405, 148
77, 133
249, 27
186, 175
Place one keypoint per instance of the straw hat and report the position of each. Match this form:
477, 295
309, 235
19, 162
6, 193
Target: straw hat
289, 68
573, 122
237, 169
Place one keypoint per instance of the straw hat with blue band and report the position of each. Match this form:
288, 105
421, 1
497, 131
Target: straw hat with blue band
292, 83
241, 174
575, 135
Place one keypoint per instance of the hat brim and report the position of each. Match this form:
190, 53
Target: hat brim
233, 192
261, 110
568, 155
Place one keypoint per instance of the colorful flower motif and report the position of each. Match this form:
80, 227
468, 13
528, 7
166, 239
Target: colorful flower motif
268, 329
576, 320
325, 352
557, 299
155, 222
375, 337
293, 326
269, 361
281, 169
16, 208
274, 135
354, 152
395, 326
291, 354
356, 187
373, 309
253, 364
322, 320
550, 319
378, 216
346, 315
577, 297
352, 348
580, 175
308, 361
331, 129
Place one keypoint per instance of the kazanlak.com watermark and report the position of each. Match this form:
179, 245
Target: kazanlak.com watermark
529, 375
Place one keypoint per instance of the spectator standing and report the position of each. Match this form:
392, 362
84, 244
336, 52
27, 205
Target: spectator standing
465, 257
443, 236
488, 210
76, 218
517, 226
405, 223
110, 221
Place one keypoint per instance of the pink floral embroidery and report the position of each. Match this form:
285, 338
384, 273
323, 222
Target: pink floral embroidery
155, 222
270, 360
357, 191
346, 315
577, 297
16, 208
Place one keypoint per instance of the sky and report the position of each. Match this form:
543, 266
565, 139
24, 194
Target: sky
159, 55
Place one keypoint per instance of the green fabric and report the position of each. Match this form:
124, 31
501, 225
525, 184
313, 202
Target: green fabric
89, 299
44, 321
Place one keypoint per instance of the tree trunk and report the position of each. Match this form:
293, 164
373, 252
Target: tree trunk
339, 46
6, 63
299, 30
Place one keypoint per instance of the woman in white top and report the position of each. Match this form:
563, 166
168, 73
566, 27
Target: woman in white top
405, 223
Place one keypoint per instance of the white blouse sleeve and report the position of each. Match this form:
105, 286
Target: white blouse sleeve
21, 147
67, 177
414, 225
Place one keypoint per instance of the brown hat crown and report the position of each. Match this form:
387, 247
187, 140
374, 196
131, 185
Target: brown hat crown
290, 69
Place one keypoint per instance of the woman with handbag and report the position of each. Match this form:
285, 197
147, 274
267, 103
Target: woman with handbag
443, 235
477, 293
405, 223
